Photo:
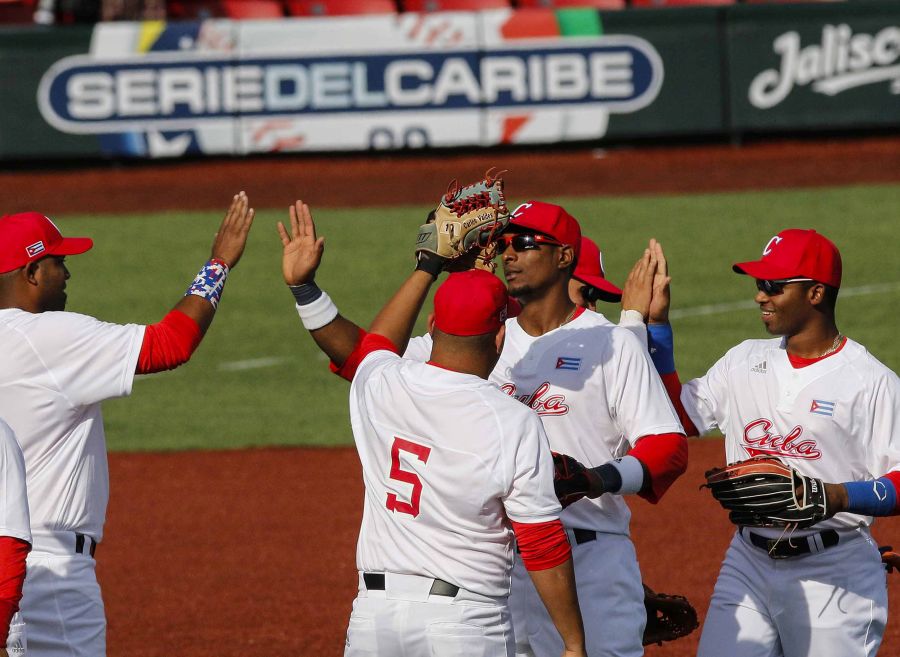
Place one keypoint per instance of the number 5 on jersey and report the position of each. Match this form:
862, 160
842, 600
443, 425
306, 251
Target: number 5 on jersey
421, 452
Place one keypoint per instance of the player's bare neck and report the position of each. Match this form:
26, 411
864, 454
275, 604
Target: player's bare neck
814, 342
545, 314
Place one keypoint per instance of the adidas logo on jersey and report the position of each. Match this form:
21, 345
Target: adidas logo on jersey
759, 368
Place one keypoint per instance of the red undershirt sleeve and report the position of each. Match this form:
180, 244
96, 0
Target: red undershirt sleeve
348, 369
12, 575
894, 478
168, 343
665, 458
673, 387
542, 545
365, 345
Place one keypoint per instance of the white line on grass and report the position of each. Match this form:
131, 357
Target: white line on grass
718, 308
250, 364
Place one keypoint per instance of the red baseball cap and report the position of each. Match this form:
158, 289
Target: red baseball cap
589, 269
472, 302
796, 253
30, 236
551, 220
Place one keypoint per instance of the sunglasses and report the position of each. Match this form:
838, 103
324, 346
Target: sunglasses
772, 287
525, 241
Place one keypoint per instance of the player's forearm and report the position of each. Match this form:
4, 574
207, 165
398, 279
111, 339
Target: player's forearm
12, 576
398, 316
878, 497
338, 339
556, 586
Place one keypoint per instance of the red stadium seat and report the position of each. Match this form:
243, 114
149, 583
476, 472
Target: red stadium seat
244, 9
16, 11
182, 10
567, 4
340, 7
680, 3
453, 5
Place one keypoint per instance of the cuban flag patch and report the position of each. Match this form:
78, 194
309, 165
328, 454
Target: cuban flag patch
820, 407
35, 249
568, 363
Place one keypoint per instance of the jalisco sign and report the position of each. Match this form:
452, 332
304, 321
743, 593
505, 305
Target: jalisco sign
841, 60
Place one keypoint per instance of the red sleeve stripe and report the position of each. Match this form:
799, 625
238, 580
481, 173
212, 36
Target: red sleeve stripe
542, 545
169, 343
12, 575
347, 370
673, 387
366, 343
894, 478
665, 457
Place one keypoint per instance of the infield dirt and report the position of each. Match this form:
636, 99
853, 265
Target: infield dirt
251, 553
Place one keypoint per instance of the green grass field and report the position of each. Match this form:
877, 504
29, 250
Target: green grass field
258, 379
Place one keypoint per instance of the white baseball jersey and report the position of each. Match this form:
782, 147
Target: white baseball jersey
56, 369
837, 419
13, 499
446, 459
596, 391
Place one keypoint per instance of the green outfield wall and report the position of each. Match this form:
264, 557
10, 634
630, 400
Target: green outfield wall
220, 87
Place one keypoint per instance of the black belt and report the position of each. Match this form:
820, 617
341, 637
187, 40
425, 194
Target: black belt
583, 535
375, 582
794, 546
82, 541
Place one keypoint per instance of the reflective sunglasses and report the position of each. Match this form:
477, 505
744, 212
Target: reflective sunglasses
525, 241
773, 287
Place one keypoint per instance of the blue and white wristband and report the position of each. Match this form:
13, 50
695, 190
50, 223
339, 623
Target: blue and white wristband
315, 307
209, 282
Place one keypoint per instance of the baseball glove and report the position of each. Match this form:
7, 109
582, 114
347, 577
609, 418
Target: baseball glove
764, 492
669, 617
572, 480
467, 220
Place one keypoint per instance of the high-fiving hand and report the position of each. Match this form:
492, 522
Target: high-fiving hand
302, 249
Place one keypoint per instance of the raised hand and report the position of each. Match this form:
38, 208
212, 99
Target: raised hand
231, 239
661, 299
637, 292
302, 249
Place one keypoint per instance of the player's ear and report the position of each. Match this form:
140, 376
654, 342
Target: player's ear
566, 257
499, 339
430, 323
30, 272
816, 294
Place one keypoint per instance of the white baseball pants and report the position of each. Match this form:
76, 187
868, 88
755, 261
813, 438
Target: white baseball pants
405, 621
827, 604
61, 602
610, 595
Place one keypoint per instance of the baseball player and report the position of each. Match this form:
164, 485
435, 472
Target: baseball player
15, 542
589, 284
57, 368
600, 401
819, 402
452, 467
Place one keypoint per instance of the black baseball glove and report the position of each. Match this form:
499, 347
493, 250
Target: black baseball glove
669, 617
764, 492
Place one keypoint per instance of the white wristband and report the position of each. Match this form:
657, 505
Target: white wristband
319, 313
631, 318
632, 473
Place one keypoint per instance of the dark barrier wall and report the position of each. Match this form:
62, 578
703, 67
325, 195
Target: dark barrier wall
25, 55
814, 66
447, 80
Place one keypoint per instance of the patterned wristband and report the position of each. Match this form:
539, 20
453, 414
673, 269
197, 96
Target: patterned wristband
209, 282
